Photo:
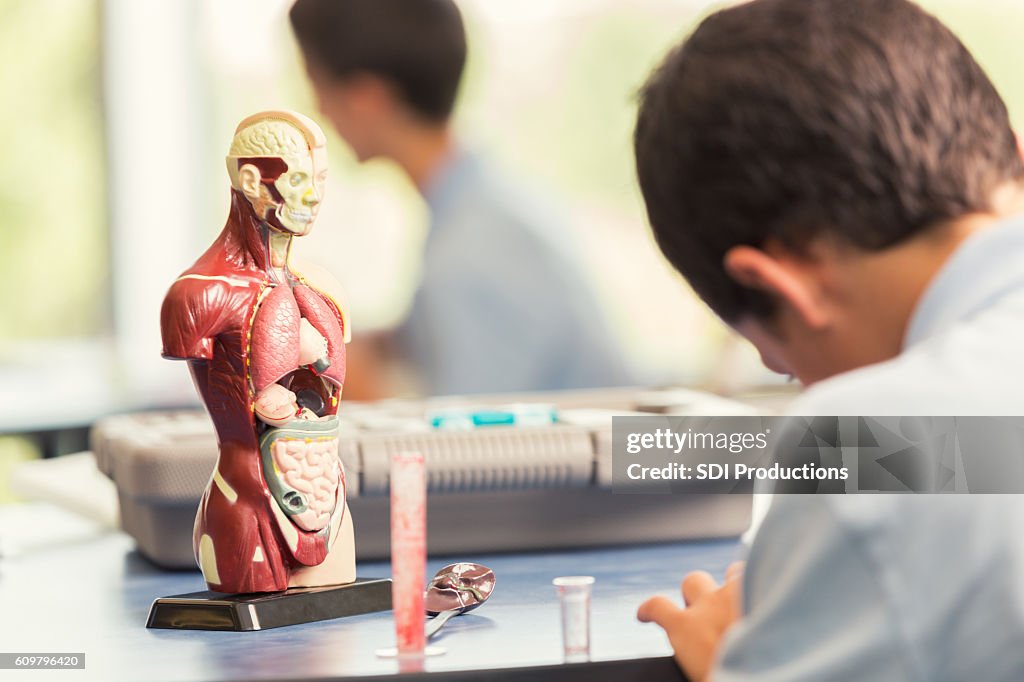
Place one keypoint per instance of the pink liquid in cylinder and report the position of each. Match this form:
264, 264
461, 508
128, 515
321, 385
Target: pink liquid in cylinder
408, 549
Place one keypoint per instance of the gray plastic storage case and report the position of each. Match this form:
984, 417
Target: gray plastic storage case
490, 489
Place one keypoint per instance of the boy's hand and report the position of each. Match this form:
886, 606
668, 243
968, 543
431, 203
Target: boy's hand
696, 631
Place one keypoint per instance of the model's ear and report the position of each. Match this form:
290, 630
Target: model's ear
781, 279
249, 181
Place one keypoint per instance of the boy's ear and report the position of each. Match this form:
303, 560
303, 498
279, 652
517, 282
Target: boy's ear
782, 280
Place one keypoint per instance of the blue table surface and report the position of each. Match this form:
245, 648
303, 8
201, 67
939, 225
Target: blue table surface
94, 596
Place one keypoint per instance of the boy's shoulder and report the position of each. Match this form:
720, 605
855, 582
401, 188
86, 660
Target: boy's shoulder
881, 389
969, 370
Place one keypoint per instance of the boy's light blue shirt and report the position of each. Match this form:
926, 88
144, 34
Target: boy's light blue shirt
900, 587
503, 304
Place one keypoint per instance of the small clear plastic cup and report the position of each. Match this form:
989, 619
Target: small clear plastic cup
574, 597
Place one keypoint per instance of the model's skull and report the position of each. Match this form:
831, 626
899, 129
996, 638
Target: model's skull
278, 160
301, 188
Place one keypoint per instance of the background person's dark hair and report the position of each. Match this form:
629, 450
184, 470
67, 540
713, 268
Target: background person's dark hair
419, 46
866, 121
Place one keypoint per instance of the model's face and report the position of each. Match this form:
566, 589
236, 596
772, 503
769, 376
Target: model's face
302, 188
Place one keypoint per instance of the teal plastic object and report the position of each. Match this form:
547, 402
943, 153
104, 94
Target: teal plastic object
513, 415
493, 418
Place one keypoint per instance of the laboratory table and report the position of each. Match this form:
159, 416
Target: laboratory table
93, 596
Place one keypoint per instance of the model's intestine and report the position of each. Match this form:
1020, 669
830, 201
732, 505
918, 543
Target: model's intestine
314, 470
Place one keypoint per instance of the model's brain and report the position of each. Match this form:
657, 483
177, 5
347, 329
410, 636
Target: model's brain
269, 137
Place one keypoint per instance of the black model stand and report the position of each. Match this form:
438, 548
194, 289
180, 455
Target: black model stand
248, 612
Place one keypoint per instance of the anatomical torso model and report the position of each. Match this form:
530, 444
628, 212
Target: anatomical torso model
266, 349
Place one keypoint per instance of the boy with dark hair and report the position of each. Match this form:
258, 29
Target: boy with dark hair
503, 304
839, 181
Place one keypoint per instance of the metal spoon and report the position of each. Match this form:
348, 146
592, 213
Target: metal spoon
454, 590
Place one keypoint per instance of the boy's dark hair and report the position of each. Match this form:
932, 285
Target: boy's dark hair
419, 46
862, 121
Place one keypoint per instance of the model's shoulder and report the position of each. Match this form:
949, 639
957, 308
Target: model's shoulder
199, 276
201, 293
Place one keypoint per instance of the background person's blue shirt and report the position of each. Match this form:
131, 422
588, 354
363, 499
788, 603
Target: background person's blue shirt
503, 304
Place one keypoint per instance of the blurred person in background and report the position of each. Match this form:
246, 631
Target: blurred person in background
503, 304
